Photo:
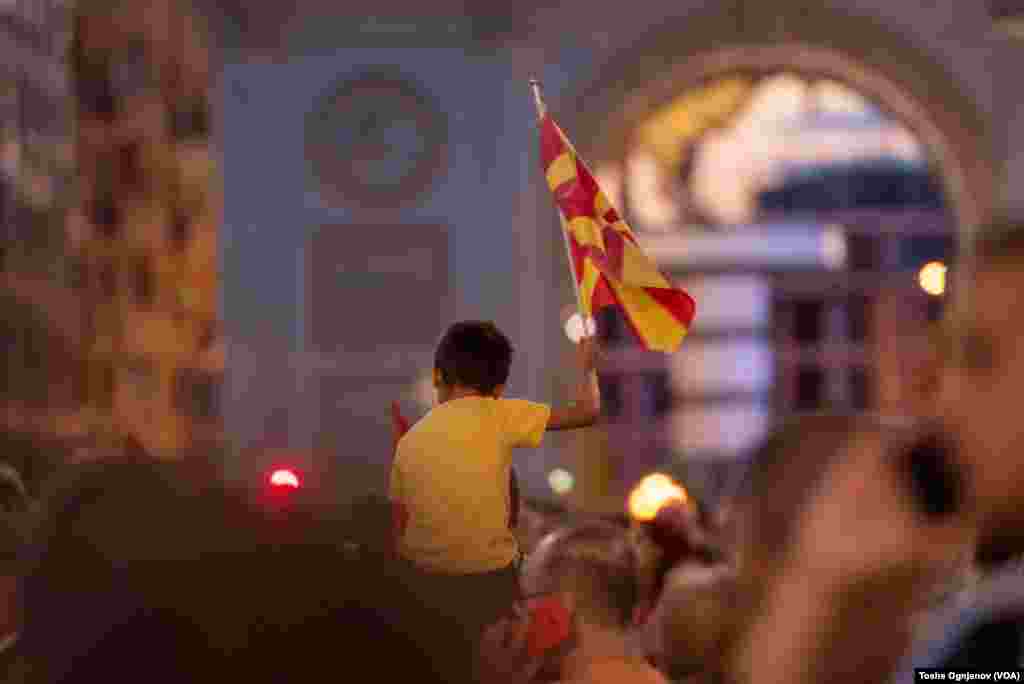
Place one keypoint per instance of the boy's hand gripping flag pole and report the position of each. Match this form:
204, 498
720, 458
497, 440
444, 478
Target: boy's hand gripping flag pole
588, 322
607, 265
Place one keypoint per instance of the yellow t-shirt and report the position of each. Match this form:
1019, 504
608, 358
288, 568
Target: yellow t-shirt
451, 472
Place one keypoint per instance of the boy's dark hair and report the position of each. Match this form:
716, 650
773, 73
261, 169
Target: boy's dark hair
474, 354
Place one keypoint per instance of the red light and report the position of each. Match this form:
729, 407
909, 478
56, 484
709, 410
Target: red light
283, 477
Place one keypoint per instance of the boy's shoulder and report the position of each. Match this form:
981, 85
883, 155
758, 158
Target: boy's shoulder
472, 409
468, 410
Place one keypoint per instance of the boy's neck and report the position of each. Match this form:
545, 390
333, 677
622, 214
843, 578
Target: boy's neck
460, 392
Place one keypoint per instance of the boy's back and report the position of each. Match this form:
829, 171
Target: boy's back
450, 484
451, 474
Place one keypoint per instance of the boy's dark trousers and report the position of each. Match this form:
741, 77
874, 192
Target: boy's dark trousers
457, 610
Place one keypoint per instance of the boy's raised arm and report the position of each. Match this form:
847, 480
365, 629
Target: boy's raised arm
585, 409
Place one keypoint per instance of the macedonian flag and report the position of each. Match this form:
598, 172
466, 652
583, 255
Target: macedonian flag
609, 267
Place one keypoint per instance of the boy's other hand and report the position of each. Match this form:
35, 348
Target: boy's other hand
399, 423
585, 407
589, 353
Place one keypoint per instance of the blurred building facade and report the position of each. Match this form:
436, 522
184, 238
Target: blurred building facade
143, 227
456, 178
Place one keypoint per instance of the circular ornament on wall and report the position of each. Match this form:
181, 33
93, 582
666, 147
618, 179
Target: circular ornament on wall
376, 141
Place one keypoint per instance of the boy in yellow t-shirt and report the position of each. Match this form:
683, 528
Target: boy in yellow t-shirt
451, 472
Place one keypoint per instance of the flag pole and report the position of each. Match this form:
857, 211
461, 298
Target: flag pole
542, 110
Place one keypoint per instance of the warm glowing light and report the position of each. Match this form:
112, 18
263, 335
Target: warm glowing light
561, 481
738, 138
284, 478
836, 97
933, 278
652, 494
575, 330
651, 200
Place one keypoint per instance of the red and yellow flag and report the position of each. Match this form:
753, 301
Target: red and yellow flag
608, 264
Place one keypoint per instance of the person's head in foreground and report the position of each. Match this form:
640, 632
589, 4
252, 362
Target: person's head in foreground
472, 359
114, 583
865, 541
144, 573
673, 540
695, 620
981, 393
591, 569
676, 536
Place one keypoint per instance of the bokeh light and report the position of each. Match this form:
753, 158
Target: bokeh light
575, 329
283, 477
652, 494
932, 278
561, 481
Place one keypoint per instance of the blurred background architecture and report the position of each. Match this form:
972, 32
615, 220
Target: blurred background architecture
109, 260
144, 225
41, 320
795, 166
803, 168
